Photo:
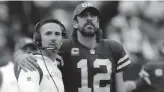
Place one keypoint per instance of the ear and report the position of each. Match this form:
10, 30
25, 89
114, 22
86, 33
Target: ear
74, 24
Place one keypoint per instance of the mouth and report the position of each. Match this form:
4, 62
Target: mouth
54, 44
89, 25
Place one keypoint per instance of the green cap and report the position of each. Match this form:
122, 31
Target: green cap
86, 6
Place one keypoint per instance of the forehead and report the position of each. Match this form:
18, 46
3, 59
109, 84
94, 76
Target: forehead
50, 27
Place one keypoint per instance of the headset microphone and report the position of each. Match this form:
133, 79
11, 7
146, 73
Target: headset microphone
50, 48
47, 48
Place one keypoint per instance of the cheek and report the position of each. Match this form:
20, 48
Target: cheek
44, 38
45, 41
81, 23
96, 22
60, 42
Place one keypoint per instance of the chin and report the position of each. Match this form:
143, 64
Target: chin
88, 33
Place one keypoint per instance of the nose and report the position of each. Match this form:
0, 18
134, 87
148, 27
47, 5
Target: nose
89, 18
53, 41
53, 37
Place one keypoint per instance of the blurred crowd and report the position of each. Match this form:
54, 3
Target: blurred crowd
139, 26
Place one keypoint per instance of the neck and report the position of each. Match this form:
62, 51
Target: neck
89, 42
50, 54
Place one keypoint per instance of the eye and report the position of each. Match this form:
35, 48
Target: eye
82, 15
57, 33
48, 33
93, 14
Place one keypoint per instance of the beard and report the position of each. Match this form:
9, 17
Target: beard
89, 30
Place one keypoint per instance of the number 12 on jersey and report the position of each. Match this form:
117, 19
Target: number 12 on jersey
82, 64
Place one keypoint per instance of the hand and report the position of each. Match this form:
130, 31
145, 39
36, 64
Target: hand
26, 62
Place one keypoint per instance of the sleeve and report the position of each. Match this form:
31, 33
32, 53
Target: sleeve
28, 81
121, 58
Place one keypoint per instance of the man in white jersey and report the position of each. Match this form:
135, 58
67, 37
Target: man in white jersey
48, 37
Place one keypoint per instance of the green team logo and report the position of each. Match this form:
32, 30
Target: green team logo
87, 4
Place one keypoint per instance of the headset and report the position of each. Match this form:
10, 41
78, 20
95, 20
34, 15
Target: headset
37, 39
37, 36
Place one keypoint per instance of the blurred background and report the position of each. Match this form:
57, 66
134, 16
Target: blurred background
139, 26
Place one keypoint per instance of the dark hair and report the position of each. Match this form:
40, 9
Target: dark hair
37, 35
99, 34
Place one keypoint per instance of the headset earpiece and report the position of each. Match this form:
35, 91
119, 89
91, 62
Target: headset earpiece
37, 36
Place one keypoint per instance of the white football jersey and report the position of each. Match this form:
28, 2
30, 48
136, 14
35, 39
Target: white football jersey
33, 82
